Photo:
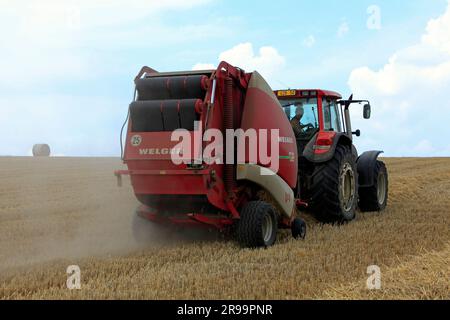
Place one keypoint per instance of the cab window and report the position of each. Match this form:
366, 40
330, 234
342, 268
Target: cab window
331, 115
310, 115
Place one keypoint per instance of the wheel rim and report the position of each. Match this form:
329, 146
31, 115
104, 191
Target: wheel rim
302, 231
347, 183
267, 227
381, 188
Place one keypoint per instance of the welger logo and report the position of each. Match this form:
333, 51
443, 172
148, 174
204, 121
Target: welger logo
158, 151
136, 140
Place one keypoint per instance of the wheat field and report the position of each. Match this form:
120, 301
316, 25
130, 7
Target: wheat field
56, 212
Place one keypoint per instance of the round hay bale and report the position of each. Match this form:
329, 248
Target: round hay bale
41, 150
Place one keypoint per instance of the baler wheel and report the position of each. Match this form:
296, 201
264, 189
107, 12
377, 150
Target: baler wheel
258, 225
298, 228
375, 198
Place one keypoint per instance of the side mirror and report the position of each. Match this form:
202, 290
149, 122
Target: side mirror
357, 133
367, 111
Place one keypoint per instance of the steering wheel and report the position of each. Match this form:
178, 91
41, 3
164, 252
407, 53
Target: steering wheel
308, 126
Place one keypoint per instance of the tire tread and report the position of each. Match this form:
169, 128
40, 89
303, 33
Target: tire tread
325, 202
249, 228
368, 196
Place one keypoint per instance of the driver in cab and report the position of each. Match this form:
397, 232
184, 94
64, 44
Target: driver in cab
295, 122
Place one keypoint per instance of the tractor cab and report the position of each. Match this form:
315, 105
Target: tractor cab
332, 178
321, 117
311, 111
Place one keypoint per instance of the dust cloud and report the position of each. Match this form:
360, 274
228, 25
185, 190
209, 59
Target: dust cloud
71, 208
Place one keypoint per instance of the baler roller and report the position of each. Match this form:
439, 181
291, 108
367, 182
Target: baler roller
174, 87
165, 115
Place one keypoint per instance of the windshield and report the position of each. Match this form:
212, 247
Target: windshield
309, 122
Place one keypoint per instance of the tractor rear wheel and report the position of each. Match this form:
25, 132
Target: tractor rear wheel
334, 189
375, 198
258, 225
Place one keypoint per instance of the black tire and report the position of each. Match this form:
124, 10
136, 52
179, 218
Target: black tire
375, 198
298, 228
334, 199
253, 229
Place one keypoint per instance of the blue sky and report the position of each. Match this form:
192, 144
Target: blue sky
67, 66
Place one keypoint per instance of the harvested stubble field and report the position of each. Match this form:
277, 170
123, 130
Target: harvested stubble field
57, 212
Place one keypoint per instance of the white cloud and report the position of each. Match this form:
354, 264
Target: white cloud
52, 39
343, 29
267, 62
46, 14
410, 97
309, 41
52, 50
66, 24
204, 66
438, 32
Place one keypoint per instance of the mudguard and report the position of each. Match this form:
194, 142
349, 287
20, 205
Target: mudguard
366, 165
272, 183
309, 154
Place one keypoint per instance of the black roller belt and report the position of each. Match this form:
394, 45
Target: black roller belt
177, 87
164, 115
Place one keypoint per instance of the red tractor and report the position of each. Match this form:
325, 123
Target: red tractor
333, 180
317, 168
